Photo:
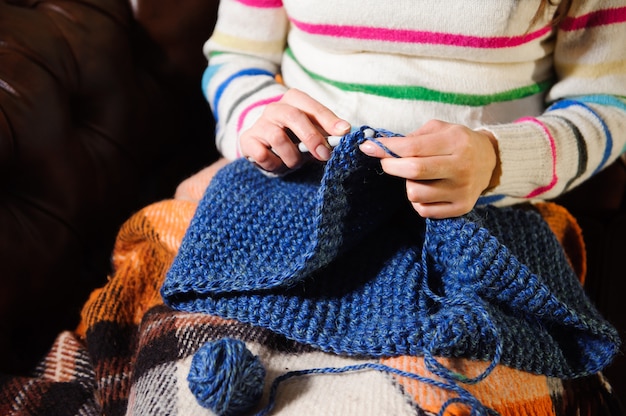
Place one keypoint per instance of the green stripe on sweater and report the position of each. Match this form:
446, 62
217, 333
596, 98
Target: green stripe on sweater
407, 92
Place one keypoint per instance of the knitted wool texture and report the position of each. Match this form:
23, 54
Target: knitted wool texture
131, 355
333, 256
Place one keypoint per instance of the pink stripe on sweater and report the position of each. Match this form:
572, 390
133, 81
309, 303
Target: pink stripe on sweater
262, 4
597, 18
251, 107
415, 36
554, 180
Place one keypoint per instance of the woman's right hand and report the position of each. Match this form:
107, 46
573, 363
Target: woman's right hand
268, 142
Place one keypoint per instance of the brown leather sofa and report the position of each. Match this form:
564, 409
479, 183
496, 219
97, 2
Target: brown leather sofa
101, 113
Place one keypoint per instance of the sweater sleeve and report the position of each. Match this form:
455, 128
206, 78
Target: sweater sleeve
244, 54
584, 126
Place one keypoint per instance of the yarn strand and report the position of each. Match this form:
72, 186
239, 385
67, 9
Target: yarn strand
431, 363
464, 396
370, 134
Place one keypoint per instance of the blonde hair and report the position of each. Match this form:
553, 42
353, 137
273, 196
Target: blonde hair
561, 11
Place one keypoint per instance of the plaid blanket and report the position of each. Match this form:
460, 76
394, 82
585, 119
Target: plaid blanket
334, 256
131, 355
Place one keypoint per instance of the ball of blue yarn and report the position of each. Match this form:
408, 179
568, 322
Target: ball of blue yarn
226, 377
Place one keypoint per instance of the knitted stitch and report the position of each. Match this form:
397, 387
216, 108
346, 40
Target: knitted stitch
131, 354
333, 256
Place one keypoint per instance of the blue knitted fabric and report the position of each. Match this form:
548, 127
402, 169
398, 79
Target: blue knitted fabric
333, 256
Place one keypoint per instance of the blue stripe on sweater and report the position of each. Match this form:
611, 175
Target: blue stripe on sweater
210, 71
609, 100
489, 199
607, 133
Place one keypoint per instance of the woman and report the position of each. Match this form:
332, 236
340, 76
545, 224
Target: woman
512, 101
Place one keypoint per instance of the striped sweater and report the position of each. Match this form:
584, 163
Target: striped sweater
555, 98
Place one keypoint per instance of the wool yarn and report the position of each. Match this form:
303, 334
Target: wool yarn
333, 256
226, 377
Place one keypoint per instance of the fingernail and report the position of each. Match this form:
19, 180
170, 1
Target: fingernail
342, 125
368, 148
323, 152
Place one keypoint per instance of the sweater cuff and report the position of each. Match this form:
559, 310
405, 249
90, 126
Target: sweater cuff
526, 159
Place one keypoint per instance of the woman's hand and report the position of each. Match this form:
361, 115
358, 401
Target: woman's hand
268, 141
446, 166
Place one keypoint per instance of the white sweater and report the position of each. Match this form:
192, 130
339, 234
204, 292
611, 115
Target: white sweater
553, 97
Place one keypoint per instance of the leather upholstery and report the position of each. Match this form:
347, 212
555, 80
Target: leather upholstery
92, 126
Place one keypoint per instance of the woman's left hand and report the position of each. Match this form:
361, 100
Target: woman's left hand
446, 166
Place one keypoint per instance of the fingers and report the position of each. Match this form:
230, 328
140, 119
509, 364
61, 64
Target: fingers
436, 186
270, 147
432, 199
316, 113
441, 210
424, 168
446, 166
427, 141
295, 118
311, 123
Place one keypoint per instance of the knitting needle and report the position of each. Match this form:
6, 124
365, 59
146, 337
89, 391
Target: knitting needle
333, 141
